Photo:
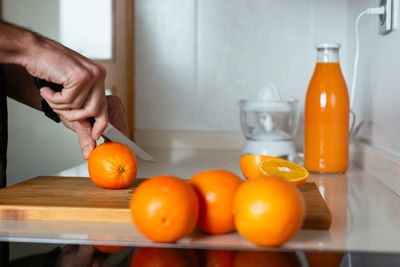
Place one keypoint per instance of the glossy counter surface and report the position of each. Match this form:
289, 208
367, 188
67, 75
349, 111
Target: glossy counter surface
365, 213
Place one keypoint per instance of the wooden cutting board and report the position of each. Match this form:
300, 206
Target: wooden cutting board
77, 199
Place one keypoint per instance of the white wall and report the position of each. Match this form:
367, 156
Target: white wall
37, 145
195, 59
37, 15
378, 88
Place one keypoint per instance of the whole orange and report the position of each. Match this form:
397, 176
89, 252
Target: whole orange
112, 166
216, 189
109, 249
266, 258
249, 164
164, 208
160, 257
268, 210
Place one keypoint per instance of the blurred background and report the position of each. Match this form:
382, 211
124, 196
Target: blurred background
194, 60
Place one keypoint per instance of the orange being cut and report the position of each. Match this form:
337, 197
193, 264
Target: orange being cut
112, 166
250, 165
288, 170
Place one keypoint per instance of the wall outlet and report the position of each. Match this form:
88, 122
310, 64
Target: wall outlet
385, 20
395, 14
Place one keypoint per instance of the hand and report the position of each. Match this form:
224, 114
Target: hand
116, 115
83, 95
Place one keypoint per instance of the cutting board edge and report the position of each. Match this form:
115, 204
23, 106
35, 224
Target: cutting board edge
96, 214
70, 214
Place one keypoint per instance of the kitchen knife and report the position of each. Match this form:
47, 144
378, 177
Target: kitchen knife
110, 132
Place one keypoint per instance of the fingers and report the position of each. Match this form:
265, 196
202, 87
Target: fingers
95, 106
83, 93
86, 77
79, 76
83, 88
101, 121
73, 94
85, 123
86, 142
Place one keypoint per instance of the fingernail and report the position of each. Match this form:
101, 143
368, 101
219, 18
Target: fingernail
86, 152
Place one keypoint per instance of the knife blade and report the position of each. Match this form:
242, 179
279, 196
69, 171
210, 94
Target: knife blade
115, 135
110, 132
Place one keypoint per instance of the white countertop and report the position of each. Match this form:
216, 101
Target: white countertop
365, 213
180, 162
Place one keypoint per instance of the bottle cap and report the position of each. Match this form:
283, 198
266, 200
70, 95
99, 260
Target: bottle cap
327, 45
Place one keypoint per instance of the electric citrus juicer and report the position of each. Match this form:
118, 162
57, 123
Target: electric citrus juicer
269, 124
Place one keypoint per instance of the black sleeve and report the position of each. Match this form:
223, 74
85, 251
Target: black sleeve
3, 132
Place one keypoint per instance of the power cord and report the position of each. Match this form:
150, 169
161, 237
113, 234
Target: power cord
369, 11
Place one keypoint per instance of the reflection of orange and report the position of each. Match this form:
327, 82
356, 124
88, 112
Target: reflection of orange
109, 249
160, 257
215, 189
266, 258
217, 258
112, 165
268, 210
290, 171
330, 259
249, 164
164, 208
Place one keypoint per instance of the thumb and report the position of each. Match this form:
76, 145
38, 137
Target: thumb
86, 142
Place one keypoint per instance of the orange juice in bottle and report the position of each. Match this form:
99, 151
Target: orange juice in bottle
326, 126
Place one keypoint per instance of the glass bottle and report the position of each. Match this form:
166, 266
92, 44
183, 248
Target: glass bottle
326, 127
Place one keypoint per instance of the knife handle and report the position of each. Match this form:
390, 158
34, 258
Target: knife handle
48, 111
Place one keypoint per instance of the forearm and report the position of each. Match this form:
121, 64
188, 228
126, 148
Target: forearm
16, 44
20, 86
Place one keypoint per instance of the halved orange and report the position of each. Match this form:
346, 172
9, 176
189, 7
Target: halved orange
250, 165
288, 170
